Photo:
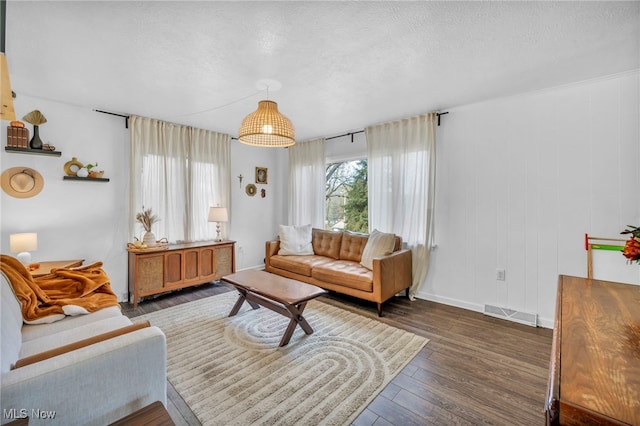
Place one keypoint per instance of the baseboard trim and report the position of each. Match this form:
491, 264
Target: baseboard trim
542, 322
258, 267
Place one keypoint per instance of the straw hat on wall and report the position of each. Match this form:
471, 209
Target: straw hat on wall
22, 182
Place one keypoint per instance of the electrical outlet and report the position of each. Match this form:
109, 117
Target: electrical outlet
500, 274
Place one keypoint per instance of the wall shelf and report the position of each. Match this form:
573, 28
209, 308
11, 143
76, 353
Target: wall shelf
14, 149
85, 178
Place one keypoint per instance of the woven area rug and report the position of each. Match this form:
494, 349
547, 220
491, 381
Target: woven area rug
231, 371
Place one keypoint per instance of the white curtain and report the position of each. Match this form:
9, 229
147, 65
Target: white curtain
401, 180
307, 183
178, 172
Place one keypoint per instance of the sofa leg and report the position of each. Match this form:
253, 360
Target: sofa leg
379, 309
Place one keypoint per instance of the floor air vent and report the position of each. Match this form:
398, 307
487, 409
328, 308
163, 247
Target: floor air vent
511, 315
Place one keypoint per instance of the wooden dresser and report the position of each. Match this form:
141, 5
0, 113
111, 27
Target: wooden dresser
594, 373
180, 266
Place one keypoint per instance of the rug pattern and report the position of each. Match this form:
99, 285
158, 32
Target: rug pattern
231, 371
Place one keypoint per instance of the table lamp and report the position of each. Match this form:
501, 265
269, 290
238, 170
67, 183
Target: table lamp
23, 244
218, 214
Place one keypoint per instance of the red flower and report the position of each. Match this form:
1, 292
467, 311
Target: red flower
632, 247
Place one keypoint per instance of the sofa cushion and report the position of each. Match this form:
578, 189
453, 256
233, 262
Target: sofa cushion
66, 337
36, 331
298, 264
11, 326
352, 246
327, 243
345, 273
295, 240
379, 244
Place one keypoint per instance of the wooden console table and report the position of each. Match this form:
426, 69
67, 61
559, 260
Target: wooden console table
179, 266
594, 373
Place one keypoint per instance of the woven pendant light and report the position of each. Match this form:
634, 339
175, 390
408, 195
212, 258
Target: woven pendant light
267, 127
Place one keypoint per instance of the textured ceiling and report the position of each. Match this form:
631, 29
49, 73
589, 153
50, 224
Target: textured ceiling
342, 65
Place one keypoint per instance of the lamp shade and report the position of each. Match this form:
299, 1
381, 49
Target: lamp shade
267, 127
23, 242
218, 214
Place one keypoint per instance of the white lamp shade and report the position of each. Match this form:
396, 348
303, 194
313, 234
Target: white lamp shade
23, 242
218, 214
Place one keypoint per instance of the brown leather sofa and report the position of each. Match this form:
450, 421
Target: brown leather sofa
335, 266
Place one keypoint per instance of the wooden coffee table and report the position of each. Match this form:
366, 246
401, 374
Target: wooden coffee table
282, 295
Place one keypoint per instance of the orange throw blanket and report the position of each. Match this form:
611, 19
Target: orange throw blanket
63, 292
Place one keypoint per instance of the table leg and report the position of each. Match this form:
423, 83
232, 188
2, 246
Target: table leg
240, 301
296, 318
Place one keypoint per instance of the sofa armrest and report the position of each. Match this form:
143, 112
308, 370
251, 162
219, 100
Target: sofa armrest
93, 385
80, 344
392, 273
271, 249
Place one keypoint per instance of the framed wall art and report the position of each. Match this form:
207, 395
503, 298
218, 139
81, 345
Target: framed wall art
261, 175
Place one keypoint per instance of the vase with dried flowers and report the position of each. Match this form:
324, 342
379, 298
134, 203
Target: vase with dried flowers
147, 219
36, 118
632, 247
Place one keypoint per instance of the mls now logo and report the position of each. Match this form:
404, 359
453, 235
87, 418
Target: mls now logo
15, 413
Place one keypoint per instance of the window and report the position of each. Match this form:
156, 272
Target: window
346, 196
178, 172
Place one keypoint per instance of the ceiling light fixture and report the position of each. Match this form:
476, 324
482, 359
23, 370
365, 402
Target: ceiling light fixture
266, 126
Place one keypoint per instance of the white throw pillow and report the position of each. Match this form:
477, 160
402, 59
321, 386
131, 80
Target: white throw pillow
379, 244
295, 240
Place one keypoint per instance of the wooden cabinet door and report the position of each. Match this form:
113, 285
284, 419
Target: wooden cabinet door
207, 264
173, 268
224, 261
149, 275
192, 261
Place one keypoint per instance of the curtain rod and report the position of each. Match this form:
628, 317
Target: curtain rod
126, 117
438, 114
346, 134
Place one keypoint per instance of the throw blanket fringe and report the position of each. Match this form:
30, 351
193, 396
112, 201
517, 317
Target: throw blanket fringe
63, 292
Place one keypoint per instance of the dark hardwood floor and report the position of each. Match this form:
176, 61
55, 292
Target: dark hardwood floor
474, 370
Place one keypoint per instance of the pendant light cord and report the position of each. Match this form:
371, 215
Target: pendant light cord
219, 106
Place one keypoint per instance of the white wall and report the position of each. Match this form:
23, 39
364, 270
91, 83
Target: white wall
254, 220
89, 220
74, 220
521, 180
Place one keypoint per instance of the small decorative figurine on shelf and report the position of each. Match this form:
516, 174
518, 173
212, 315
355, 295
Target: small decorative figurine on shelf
93, 170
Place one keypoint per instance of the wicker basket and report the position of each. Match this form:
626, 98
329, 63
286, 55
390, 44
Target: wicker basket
161, 244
